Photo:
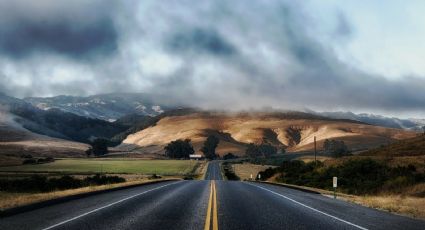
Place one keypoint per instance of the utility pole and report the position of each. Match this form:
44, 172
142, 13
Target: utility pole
315, 151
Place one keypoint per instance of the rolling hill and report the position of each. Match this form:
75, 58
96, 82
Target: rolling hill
16, 141
292, 130
59, 124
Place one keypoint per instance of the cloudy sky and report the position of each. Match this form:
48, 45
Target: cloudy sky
363, 56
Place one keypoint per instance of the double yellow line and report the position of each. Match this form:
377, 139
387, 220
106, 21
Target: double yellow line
212, 208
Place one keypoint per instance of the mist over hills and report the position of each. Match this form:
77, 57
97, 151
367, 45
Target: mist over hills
143, 120
373, 119
111, 107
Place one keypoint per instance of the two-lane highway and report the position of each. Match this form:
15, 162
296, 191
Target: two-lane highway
213, 171
210, 204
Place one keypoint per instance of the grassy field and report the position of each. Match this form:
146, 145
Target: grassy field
110, 165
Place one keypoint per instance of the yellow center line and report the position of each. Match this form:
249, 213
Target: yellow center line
212, 208
208, 218
215, 217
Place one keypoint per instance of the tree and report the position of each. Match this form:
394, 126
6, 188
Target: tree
229, 156
335, 147
252, 151
267, 150
99, 147
179, 149
326, 145
283, 150
209, 147
264, 150
89, 152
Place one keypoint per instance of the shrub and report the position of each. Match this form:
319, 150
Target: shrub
101, 179
154, 176
266, 174
38, 183
29, 161
228, 171
357, 176
45, 160
229, 156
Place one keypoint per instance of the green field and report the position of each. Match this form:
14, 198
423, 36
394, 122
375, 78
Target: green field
115, 165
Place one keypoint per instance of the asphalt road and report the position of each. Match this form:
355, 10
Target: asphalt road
244, 205
195, 205
213, 171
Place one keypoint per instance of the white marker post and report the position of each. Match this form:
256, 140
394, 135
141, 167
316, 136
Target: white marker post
251, 176
335, 184
259, 176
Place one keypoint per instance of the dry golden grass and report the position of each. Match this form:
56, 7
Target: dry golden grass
406, 204
244, 171
10, 200
237, 130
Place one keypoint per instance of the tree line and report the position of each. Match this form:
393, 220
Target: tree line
182, 149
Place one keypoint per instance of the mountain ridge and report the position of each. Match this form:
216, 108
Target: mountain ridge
109, 107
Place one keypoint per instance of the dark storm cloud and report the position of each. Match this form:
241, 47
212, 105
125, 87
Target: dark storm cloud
64, 37
76, 29
201, 40
213, 54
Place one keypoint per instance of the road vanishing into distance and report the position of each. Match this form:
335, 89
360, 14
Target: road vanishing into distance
207, 204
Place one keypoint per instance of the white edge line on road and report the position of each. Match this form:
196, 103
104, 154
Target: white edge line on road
106, 206
306, 206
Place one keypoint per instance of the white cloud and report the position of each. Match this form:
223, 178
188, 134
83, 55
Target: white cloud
387, 36
159, 64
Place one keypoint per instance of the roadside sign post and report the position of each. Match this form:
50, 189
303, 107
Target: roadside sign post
335, 184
